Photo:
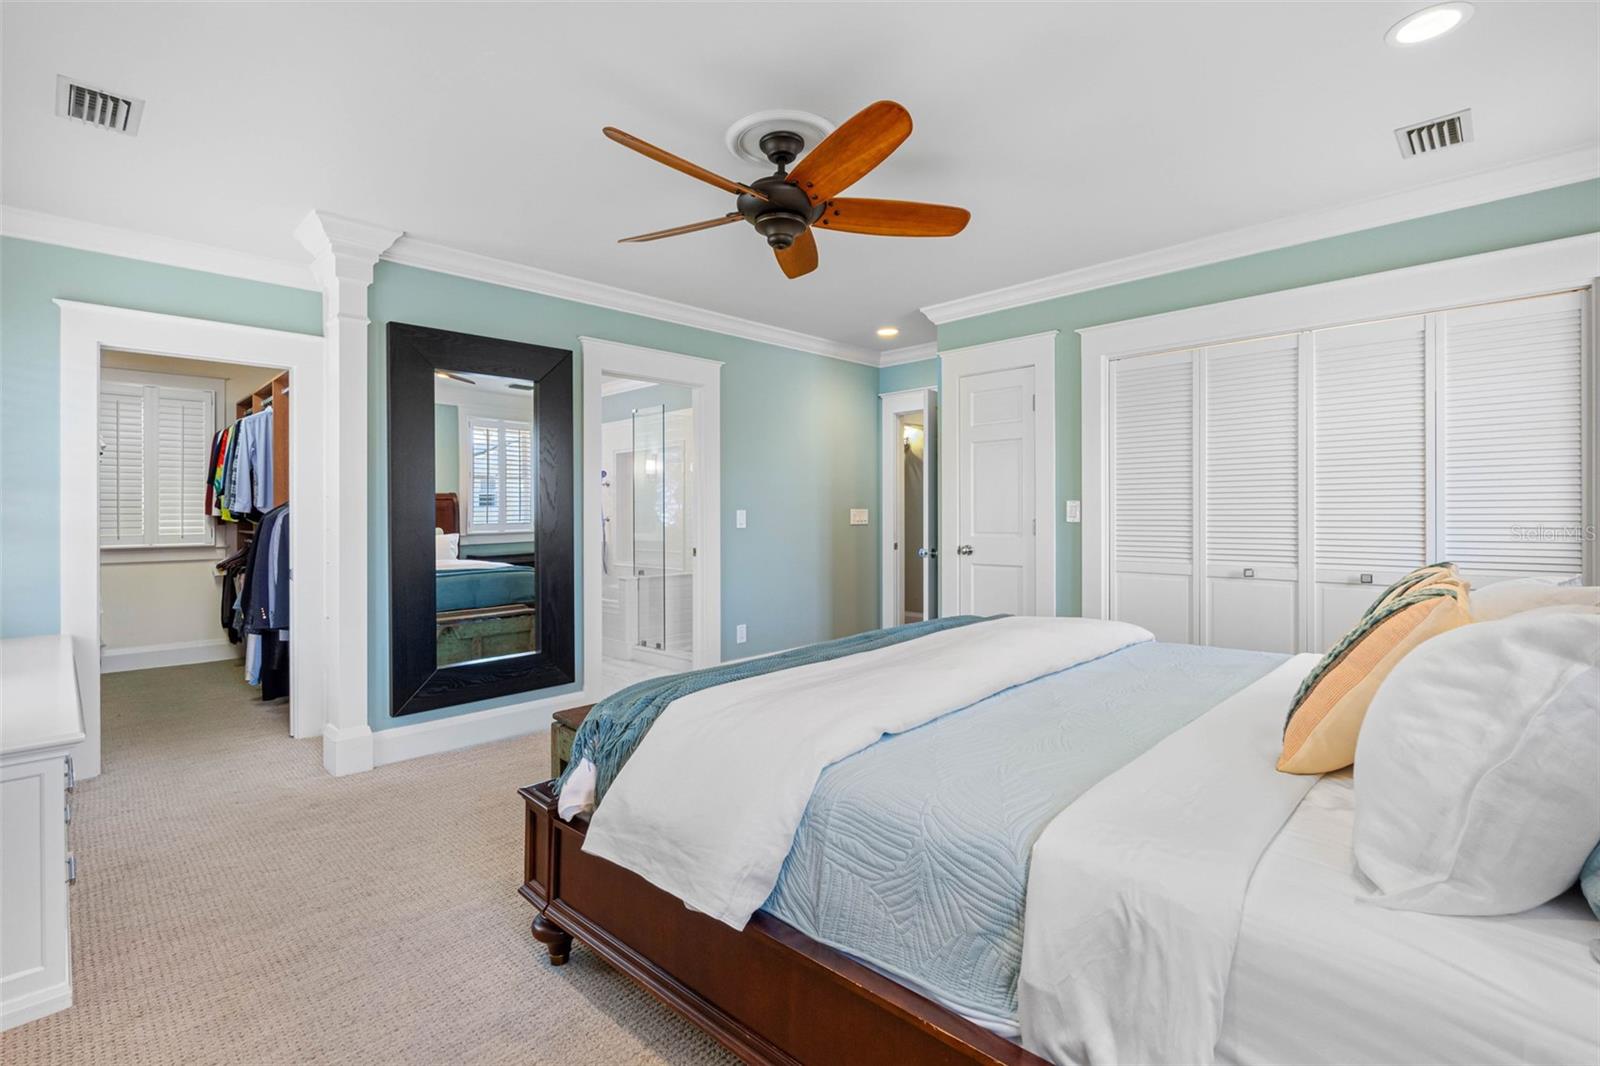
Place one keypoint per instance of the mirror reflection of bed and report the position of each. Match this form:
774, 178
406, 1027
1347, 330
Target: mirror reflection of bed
648, 534
485, 468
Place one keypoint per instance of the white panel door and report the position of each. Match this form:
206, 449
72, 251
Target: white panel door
1251, 488
1371, 466
1511, 439
994, 552
1152, 492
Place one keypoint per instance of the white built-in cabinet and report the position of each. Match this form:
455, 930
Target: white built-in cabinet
1261, 493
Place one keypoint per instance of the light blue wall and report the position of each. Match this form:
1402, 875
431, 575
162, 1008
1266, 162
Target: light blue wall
446, 447
798, 451
919, 375
1541, 216
31, 276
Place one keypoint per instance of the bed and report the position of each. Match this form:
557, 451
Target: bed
484, 607
907, 911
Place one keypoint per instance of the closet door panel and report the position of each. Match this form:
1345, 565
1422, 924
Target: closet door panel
1152, 465
1511, 440
1370, 468
1252, 494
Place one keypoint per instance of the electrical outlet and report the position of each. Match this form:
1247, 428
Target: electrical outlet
738, 519
1074, 510
858, 516
739, 634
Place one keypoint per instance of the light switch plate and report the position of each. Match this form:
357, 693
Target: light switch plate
739, 634
858, 516
1074, 511
738, 519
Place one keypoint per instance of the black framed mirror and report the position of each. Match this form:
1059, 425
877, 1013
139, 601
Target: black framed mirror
481, 511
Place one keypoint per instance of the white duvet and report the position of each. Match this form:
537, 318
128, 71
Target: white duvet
707, 806
1136, 890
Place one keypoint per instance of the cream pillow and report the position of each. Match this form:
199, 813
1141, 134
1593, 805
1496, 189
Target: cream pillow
1478, 767
1506, 598
1325, 717
446, 545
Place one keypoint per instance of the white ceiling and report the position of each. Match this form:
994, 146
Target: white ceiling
1075, 133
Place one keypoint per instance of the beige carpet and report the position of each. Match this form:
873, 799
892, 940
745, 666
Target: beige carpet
237, 905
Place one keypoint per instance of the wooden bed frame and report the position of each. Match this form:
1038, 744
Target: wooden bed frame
770, 994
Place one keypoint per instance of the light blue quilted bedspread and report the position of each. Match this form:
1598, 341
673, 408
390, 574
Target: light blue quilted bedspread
913, 854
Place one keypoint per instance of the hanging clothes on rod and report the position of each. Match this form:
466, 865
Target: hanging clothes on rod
241, 471
259, 614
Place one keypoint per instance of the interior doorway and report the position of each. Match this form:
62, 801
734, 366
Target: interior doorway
910, 549
151, 501
652, 581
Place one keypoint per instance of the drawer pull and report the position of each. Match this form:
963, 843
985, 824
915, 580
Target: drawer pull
1366, 579
72, 869
72, 776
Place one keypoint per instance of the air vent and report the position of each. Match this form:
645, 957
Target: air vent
1435, 135
96, 107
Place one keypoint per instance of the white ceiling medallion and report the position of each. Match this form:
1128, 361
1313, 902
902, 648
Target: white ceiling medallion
744, 137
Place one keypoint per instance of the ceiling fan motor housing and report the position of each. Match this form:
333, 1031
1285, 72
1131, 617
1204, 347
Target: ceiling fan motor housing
783, 215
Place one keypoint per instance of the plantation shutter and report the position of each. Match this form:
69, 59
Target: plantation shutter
121, 496
184, 427
1371, 475
1512, 441
1253, 453
486, 468
519, 474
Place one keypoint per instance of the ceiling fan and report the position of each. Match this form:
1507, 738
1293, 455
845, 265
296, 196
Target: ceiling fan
786, 207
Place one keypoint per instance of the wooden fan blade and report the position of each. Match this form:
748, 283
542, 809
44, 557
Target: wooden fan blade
893, 218
800, 257
645, 148
850, 151
710, 223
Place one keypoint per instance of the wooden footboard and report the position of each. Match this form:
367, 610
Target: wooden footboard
769, 994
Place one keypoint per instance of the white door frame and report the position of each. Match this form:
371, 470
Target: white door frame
1528, 270
86, 329
892, 497
1036, 350
704, 378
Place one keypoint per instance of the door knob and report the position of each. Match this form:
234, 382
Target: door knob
927, 553
965, 549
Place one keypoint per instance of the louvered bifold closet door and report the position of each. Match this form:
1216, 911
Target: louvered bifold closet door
1512, 439
1370, 495
121, 491
1251, 493
185, 421
1152, 467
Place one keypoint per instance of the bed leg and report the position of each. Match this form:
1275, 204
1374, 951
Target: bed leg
552, 936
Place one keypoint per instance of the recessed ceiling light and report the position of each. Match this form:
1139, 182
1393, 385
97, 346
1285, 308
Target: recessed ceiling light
888, 331
1430, 22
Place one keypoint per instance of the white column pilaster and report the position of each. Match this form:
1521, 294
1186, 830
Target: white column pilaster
344, 252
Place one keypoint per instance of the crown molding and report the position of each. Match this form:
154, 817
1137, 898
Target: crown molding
409, 251
1545, 173
27, 225
911, 353
350, 237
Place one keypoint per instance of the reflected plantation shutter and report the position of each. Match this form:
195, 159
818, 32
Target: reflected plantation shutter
519, 476
502, 476
1512, 440
122, 464
1371, 476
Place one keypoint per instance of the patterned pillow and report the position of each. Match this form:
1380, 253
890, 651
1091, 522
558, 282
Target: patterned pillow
1589, 879
1421, 577
1325, 718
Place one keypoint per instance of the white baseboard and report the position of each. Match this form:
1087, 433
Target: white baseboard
469, 730
346, 751
150, 656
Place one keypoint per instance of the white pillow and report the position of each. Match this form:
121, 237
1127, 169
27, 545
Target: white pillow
1506, 598
446, 545
1478, 766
